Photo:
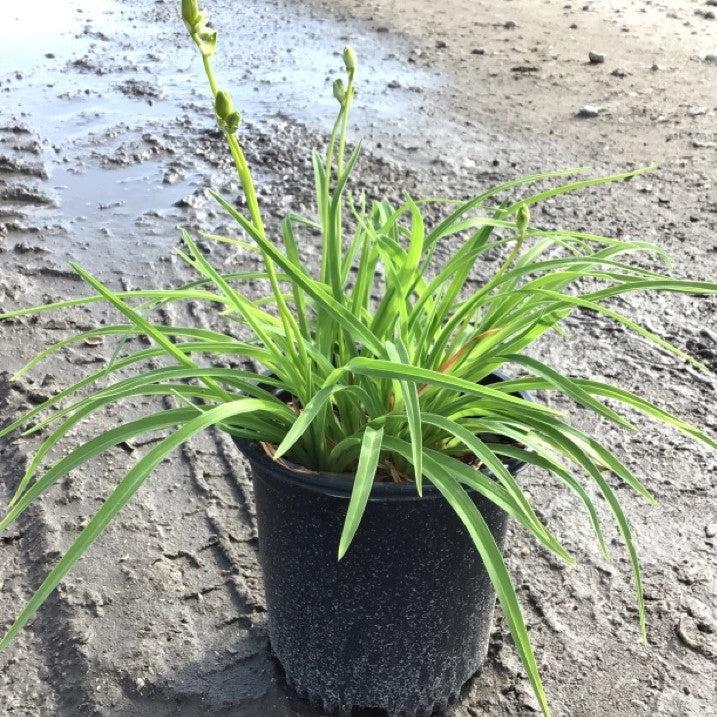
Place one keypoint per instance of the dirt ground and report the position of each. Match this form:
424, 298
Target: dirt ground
107, 145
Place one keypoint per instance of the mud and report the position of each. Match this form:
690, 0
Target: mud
107, 145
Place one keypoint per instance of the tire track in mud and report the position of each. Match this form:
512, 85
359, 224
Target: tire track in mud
22, 174
52, 624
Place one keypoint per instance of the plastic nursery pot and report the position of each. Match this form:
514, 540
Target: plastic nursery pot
402, 622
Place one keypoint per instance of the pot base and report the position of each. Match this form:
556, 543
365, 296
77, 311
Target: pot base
419, 705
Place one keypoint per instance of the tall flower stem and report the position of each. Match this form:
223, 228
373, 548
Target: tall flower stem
302, 364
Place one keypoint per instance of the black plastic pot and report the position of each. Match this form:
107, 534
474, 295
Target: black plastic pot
402, 621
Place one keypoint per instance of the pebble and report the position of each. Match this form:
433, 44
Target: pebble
691, 636
509, 25
596, 58
477, 51
441, 44
619, 72
711, 530
588, 112
711, 58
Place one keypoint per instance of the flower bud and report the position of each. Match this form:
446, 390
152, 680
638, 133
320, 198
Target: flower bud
522, 218
229, 119
339, 91
232, 122
190, 12
350, 60
223, 105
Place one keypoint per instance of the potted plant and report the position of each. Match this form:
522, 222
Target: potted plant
383, 440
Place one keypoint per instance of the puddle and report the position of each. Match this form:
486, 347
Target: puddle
32, 29
87, 78
123, 193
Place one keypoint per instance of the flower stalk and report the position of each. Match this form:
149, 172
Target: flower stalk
229, 121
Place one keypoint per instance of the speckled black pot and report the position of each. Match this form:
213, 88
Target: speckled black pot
402, 622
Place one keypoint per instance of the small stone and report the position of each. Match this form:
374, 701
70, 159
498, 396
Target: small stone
477, 51
394, 85
692, 637
711, 59
711, 530
619, 72
441, 44
596, 58
587, 112
654, 67
509, 25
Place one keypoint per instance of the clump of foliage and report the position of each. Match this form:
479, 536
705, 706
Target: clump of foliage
393, 386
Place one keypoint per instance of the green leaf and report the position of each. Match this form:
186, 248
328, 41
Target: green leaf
145, 326
363, 480
403, 372
397, 353
119, 498
312, 409
567, 386
641, 330
574, 452
499, 471
476, 480
538, 458
157, 294
341, 314
117, 330
92, 448
617, 394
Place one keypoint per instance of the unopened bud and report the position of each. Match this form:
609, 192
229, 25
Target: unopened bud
232, 122
190, 12
223, 104
229, 119
522, 218
350, 60
339, 91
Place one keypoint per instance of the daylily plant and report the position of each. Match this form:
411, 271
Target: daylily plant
375, 361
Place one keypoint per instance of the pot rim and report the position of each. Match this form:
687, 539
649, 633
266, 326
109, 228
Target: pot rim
341, 484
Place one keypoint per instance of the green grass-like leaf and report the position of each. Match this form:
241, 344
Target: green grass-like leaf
363, 480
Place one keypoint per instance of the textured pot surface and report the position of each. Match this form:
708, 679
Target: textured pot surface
402, 622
